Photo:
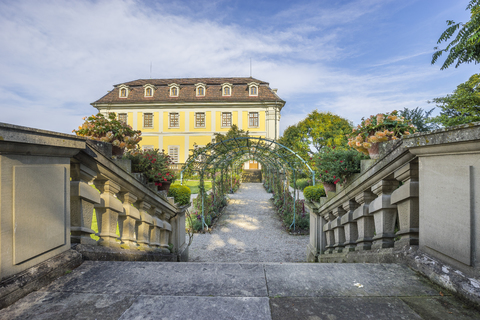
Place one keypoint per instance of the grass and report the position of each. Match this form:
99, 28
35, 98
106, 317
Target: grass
193, 185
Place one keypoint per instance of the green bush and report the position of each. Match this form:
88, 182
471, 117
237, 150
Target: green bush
313, 193
181, 194
302, 183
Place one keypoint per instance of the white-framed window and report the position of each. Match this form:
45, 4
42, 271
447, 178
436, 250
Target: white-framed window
199, 119
227, 89
174, 89
174, 120
200, 89
226, 119
148, 120
253, 119
123, 91
149, 90
122, 117
173, 152
253, 89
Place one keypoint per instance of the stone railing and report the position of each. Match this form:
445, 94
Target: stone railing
50, 185
422, 195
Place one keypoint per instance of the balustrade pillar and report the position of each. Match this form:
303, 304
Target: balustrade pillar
127, 220
107, 213
365, 223
328, 230
83, 197
406, 199
156, 230
349, 225
384, 213
143, 225
165, 234
338, 230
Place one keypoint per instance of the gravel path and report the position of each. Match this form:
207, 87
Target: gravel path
248, 231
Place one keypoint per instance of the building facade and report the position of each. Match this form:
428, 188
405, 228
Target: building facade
176, 114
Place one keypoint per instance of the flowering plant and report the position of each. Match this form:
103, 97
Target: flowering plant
119, 134
379, 128
153, 163
333, 165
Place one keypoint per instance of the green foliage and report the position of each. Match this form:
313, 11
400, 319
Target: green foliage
181, 194
419, 118
293, 138
463, 106
194, 185
314, 193
465, 46
231, 133
302, 183
334, 165
153, 163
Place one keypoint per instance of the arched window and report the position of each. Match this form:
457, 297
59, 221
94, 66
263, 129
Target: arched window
148, 92
174, 90
253, 89
226, 91
123, 93
200, 91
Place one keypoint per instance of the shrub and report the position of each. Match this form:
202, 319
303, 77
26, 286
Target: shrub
302, 183
334, 165
180, 193
314, 193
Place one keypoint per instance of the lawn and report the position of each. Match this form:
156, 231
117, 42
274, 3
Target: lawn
193, 185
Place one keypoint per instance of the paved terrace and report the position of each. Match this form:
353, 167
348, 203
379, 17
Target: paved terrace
240, 290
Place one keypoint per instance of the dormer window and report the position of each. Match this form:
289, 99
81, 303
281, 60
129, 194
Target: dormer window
149, 90
123, 92
253, 89
226, 89
200, 89
174, 89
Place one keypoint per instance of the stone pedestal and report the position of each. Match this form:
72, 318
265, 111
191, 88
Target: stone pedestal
328, 231
83, 197
406, 199
384, 213
143, 225
107, 213
156, 230
165, 233
365, 223
338, 230
349, 225
127, 220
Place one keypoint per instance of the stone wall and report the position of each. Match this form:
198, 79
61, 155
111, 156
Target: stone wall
418, 202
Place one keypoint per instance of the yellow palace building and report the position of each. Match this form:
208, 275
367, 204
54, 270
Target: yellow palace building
175, 114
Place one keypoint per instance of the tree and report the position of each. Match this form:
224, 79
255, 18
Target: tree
233, 132
419, 118
463, 106
322, 129
294, 139
465, 46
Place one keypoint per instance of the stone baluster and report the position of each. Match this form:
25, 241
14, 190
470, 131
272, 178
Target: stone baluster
406, 199
338, 230
83, 198
365, 223
165, 234
157, 228
127, 220
107, 213
384, 213
350, 225
144, 225
328, 230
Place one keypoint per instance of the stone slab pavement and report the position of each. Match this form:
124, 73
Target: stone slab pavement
161, 290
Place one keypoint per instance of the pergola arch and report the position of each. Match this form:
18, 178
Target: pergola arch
233, 152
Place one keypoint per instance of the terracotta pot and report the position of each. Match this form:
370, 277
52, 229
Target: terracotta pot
117, 151
165, 186
374, 152
329, 187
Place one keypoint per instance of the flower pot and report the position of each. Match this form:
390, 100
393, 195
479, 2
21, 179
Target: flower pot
329, 187
117, 151
165, 186
374, 151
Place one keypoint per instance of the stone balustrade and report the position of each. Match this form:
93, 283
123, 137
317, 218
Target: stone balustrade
419, 201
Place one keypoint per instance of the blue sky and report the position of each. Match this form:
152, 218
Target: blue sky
353, 58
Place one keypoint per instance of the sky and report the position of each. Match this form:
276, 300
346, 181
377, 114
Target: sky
352, 58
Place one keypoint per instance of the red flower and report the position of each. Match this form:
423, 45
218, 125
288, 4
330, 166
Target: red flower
341, 161
326, 171
165, 179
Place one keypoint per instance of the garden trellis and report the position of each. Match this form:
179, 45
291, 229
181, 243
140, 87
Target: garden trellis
226, 156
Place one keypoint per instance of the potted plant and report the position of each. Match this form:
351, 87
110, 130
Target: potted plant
335, 164
366, 136
154, 164
119, 134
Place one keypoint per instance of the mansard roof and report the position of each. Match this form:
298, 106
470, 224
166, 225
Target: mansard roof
187, 92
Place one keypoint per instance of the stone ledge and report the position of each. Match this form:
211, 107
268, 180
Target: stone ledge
100, 253
19, 285
436, 271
